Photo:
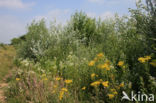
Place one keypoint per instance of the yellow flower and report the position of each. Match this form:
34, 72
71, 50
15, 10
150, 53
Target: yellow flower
147, 58
121, 85
58, 78
142, 60
83, 88
55, 86
120, 63
115, 92
111, 96
68, 81
105, 84
112, 90
64, 89
100, 55
153, 63
91, 63
93, 75
107, 68
17, 79
104, 66
95, 84
61, 95
100, 80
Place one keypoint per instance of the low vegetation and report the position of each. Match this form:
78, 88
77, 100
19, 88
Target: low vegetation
87, 60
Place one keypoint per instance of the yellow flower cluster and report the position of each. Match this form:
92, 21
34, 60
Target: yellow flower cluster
97, 83
63, 90
92, 63
104, 66
83, 88
121, 85
105, 84
58, 78
153, 63
68, 81
120, 63
100, 55
17, 79
93, 75
112, 94
144, 59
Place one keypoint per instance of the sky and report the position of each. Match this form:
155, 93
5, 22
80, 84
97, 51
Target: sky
16, 15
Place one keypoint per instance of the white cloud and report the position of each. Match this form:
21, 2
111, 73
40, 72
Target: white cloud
110, 1
15, 4
103, 16
96, 1
59, 15
10, 27
91, 14
106, 15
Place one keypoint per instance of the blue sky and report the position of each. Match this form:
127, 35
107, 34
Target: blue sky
15, 15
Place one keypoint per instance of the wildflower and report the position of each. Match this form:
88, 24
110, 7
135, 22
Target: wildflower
147, 58
17, 79
91, 63
100, 55
93, 75
61, 95
121, 85
112, 90
115, 92
105, 84
108, 62
64, 89
68, 81
120, 63
104, 66
142, 60
58, 78
55, 86
153, 63
107, 68
111, 96
83, 88
100, 80
95, 84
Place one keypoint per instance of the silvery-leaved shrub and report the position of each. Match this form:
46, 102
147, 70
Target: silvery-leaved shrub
37, 41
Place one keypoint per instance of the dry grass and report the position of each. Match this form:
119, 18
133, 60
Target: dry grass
7, 54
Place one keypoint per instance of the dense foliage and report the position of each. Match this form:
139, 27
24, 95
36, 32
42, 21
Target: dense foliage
87, 60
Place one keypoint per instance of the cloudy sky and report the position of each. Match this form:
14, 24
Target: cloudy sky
15, 15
